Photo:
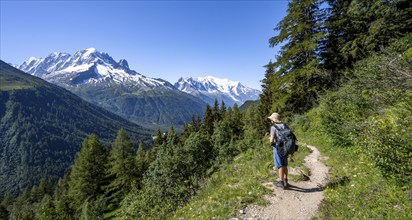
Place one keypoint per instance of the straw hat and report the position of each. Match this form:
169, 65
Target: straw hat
275, 117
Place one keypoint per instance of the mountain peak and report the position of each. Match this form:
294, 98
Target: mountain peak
88, 51
91, 49
209, 88
124, 63
88, 66
31, 59
90, 55
217, 81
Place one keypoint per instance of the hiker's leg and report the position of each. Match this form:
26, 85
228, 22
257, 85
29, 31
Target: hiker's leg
275, 158
285, 172
281, 173
285, 166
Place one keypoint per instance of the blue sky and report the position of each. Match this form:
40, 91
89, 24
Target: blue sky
160, 39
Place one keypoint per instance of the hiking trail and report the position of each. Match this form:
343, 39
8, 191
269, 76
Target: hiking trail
300, 201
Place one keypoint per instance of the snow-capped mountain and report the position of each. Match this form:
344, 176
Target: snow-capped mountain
87, 66
98, 78
210, 88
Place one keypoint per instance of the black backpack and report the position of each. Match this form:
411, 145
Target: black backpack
285, 141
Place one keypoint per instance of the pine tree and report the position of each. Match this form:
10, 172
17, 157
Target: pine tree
141, 165
5, 206
47, 210
297, 81
222, 137
159, 139
62, 200
187, 130
165, 183
87, 173
93, 209
337, 27
208, 120
121, 168
300, 29
4, 214
222, 110
195, 123
357, 28
236, 123
216, 111
198, 124
45, 187
265, 102
172, 138
34, 197
199, 151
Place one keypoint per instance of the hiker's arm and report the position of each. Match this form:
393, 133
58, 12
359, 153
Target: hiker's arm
272, 139
272, 136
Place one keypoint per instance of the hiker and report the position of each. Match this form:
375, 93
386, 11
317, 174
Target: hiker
281, 162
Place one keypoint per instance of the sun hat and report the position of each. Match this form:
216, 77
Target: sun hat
275, 117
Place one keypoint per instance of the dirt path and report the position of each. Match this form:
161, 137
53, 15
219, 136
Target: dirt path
300, 201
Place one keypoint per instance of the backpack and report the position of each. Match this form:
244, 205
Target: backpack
285, 141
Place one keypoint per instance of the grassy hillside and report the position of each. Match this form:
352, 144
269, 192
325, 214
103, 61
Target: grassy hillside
365, 128
42, 127
237, 184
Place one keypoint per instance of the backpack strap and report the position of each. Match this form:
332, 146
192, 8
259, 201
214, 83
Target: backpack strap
277, 129
277, 133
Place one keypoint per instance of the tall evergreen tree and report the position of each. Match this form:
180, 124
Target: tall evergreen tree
5, 206
337, 26
199, 151
87, 173
165, 182
159, 139
216, 111
236, 123
222, 110
45, 187
356, 28
62, 200
47, 211
142, 164
297, 80
208, 120
187, 130
196, 122
300, 29
222, 136
265, 102
121, 168
4, 214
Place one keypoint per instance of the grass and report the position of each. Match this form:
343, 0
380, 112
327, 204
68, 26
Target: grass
237, 184
357, 189
5, 87
111, 215
12, 84
10, 81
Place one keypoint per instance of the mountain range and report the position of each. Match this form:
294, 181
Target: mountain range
210, 88
98, 78
42, 127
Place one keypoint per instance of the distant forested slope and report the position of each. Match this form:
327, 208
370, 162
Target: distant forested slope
42, 127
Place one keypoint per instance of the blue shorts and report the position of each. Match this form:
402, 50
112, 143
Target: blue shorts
278, 160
